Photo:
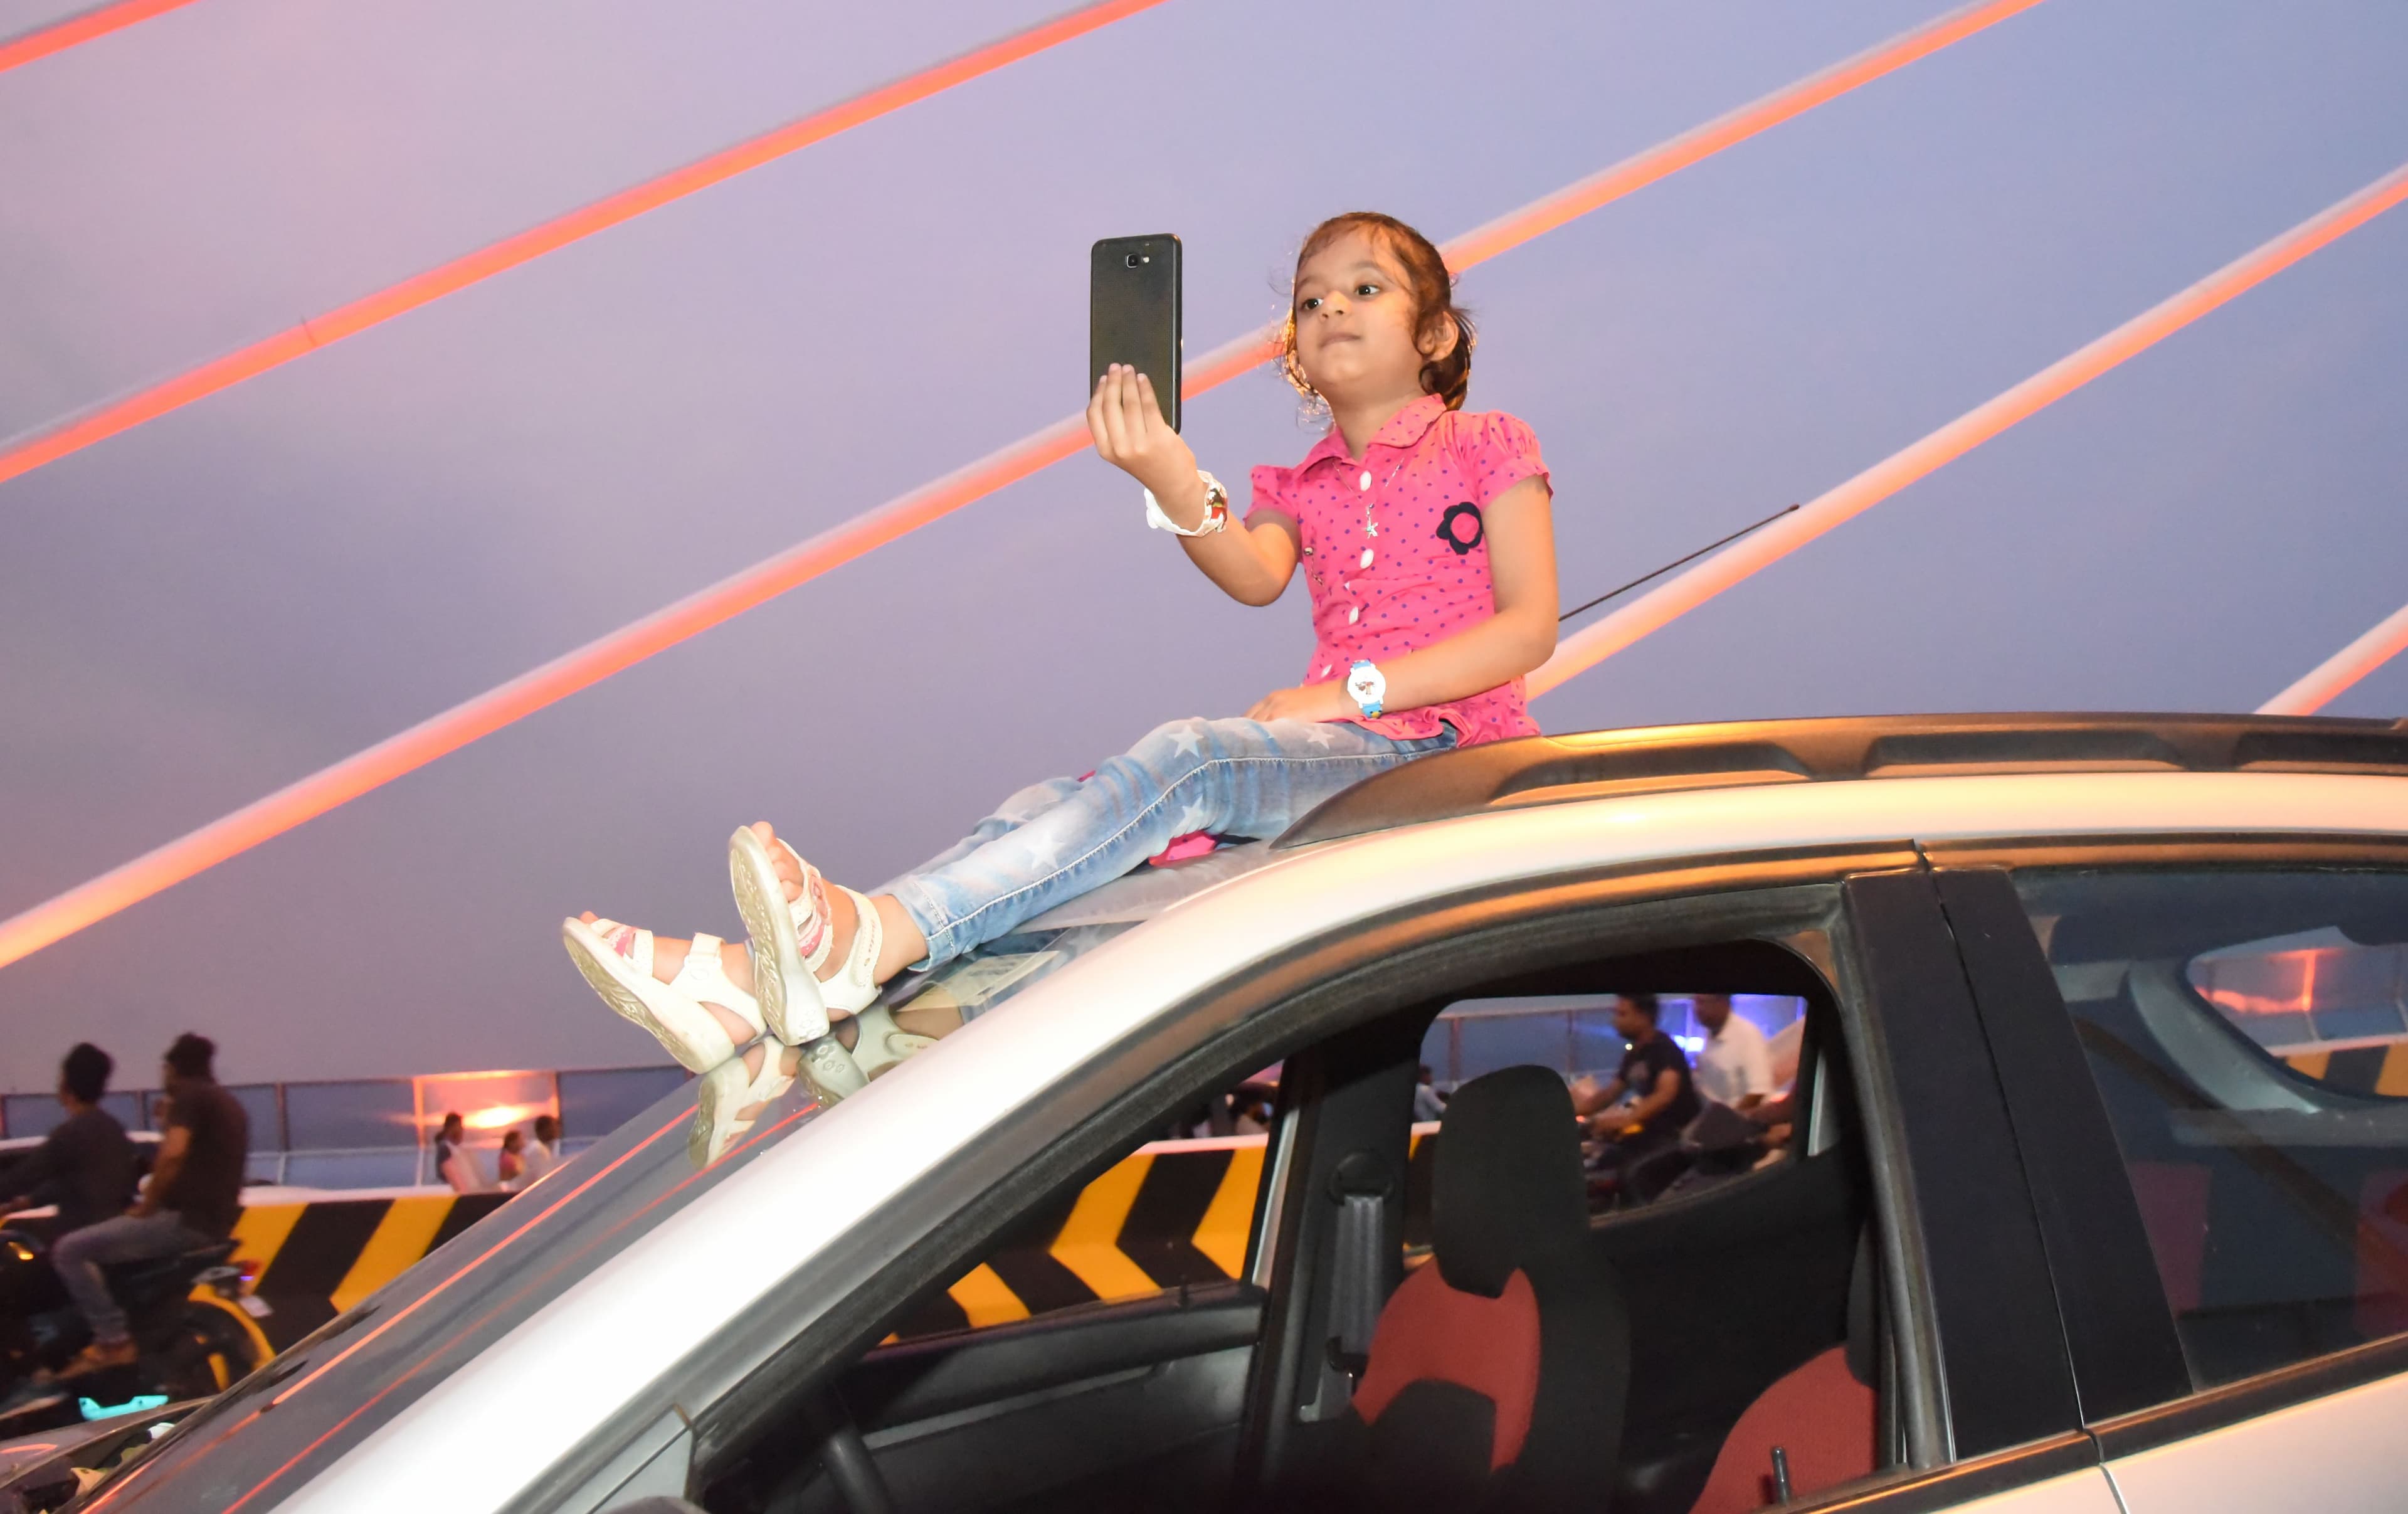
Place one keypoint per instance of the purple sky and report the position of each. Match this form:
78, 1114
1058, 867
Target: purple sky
220, 602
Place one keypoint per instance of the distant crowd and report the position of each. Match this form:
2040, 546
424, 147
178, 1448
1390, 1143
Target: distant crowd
1663, 1116
520, 1159
1662, 1120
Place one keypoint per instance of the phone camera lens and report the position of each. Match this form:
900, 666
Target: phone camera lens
1132, 260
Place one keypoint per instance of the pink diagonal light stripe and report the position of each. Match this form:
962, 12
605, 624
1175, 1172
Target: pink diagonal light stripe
296, 803
293, 342
2337, 674
79, 29
1660, 606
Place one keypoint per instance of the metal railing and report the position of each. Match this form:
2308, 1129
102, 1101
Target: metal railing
380, 1132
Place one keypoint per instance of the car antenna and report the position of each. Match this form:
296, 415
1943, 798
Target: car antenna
1675, 563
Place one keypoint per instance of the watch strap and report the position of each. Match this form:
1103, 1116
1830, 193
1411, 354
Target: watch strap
1216, 510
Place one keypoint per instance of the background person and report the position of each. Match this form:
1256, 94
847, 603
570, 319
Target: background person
453, 1163
1428, 1103
194, 1197
1736, 1066
1654, 1071
541, 1154
507, 1167
86, 1164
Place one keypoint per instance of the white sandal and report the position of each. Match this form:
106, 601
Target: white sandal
791, 943
618, 960
830, 1071
726, 1089
833, 1071
883, 1043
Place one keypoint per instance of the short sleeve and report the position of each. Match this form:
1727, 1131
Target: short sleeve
1495, 451
1269, 486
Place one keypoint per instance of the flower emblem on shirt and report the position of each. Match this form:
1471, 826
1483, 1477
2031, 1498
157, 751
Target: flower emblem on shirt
1450, 533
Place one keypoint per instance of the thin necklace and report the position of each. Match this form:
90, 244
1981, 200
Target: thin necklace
1369, 528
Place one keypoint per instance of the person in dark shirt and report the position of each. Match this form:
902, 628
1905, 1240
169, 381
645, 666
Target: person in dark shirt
85, 1165
193, 1198
1656, 1070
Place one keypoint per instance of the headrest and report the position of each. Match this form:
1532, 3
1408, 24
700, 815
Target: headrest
1507, 1189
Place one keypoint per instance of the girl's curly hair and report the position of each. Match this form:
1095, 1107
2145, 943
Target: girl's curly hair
1433, 291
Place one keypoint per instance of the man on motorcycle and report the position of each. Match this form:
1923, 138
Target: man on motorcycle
85, 1165
194, 1197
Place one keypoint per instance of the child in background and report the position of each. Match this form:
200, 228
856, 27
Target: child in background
1426, 536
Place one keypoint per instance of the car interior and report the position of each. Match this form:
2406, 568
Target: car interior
1430, 1318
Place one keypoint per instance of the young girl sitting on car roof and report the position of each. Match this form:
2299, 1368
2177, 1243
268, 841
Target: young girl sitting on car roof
1426, 544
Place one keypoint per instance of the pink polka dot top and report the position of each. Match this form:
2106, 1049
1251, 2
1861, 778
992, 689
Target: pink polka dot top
1396, 550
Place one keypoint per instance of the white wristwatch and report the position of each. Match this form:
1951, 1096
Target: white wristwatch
1216, 510
1366, 686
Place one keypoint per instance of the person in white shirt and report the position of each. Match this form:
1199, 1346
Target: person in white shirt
542, 1154
1427, 1105
1735, 1068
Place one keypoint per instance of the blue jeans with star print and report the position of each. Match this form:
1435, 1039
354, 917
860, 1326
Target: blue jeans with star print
1056, 839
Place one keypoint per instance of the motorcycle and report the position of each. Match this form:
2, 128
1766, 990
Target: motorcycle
191, 1323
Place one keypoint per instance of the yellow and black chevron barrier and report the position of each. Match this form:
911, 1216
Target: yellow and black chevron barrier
2373, 1069
311, 1262
1175, 1214
1164, 1216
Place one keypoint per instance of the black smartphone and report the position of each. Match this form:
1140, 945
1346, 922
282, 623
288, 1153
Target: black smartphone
1133, 313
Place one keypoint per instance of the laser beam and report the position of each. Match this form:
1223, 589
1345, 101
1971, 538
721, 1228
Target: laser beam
273, 352
80, 28
2334, 676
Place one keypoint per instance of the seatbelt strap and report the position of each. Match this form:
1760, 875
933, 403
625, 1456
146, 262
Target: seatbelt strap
1354, 1290
1360, 1258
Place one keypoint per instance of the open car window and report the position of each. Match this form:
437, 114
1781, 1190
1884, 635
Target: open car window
1742, 1070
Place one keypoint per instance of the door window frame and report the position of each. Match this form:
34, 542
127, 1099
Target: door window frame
1969, 1281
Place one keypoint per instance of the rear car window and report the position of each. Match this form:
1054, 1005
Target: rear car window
2250, 1040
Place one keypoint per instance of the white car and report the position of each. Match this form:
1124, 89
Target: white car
2094, 1196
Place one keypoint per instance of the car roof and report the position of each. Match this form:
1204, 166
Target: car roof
1603, 764
1555, 769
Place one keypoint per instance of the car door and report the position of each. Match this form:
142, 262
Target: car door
2206, 1046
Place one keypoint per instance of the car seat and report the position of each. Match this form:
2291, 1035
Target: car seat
1823, 1415
1498, 1374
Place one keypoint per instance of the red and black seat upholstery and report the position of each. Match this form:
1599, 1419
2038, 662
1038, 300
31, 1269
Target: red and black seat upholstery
1498, 1374
1823, 1415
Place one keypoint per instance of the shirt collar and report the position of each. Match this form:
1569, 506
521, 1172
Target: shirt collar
1403, 430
